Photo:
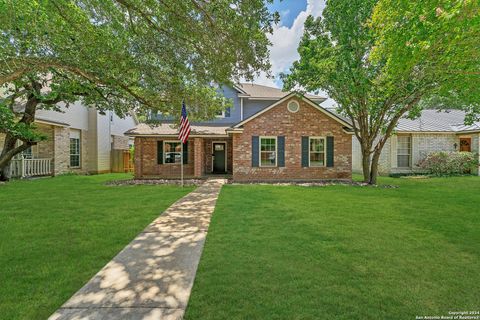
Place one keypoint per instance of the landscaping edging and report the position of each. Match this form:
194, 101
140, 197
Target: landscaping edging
133, 182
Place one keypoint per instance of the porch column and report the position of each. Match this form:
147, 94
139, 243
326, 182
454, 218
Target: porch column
198, 156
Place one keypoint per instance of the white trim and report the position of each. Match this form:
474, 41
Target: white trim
226, 154
176, 135
410, 151
293, 102
79, 139
163, 151
220, 116
51, 123
260, 151
324, 152
318, 100
288, 96
241, 109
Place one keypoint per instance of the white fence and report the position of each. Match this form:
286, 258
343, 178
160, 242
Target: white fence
23, 168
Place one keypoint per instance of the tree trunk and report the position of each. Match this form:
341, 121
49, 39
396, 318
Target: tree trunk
6, 156
365, 150
9, 148
374, 168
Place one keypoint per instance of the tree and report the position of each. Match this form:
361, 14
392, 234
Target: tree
382, 60
123, 55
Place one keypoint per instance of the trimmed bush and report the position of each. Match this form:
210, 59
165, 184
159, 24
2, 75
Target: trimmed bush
446, 163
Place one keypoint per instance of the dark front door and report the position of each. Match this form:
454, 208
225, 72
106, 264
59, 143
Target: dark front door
219, 158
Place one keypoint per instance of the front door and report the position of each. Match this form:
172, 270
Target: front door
465, 144
219, 157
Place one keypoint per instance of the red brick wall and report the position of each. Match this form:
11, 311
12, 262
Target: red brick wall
146, 160
278, 121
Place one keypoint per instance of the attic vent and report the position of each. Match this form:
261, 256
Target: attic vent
293, 106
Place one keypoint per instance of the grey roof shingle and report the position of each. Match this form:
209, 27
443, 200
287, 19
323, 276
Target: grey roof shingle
437, 121
264, 92
169, 129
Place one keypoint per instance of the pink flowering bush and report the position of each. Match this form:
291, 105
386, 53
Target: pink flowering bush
449, 163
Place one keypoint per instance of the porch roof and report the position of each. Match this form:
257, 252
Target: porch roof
171, 129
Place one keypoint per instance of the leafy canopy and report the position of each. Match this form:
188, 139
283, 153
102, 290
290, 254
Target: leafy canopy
381, 60
124, 54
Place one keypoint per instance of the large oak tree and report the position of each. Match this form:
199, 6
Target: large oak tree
123, 55
381, 60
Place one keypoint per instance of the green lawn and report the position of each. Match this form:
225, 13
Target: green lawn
56, 233
342, 252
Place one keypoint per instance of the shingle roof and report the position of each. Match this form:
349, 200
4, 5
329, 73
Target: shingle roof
169, 129
437, 121
264, 92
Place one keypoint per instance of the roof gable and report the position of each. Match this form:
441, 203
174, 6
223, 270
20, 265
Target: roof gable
303, 98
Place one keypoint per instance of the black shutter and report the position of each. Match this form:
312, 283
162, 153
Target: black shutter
305, 147
281, 151
185, 153
227, 113
330, 153
255, 151
159, 152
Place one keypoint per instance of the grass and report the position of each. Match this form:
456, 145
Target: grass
56, 233
341, 252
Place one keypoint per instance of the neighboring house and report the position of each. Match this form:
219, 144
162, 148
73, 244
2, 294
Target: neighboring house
415, 139
79, 140
267, 135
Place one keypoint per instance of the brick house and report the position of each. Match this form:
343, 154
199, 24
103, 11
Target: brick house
79, 140
266, 136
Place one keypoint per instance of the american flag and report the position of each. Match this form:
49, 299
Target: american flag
184, 126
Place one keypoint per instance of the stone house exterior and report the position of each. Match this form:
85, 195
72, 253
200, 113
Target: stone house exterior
269, 136
79, 140
415, 139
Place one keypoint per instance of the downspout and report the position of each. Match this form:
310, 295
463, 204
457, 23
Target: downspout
241, 109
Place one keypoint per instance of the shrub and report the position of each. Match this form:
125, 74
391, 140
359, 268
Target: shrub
449, 163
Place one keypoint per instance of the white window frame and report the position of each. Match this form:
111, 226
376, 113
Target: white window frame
324, 151
409, 151
260, 151
79, 139
293, 101
164, 153
220, 116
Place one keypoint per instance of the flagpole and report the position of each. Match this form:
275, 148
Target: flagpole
181, 165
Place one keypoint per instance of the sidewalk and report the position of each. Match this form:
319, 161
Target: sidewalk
152, 277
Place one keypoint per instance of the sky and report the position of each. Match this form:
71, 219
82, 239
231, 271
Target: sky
286, 36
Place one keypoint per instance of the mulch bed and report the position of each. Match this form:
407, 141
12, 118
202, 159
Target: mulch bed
133, 182
320, 184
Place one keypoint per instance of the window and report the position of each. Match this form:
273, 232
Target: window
316, 152
172, 152
404, 151
268, 151
74, 149
27, 154
220, 114
293, 106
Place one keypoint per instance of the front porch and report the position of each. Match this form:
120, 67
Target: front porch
160, 157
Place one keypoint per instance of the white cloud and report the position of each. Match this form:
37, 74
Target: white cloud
283, 51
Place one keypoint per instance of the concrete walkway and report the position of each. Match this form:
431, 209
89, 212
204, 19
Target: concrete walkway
151, 278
